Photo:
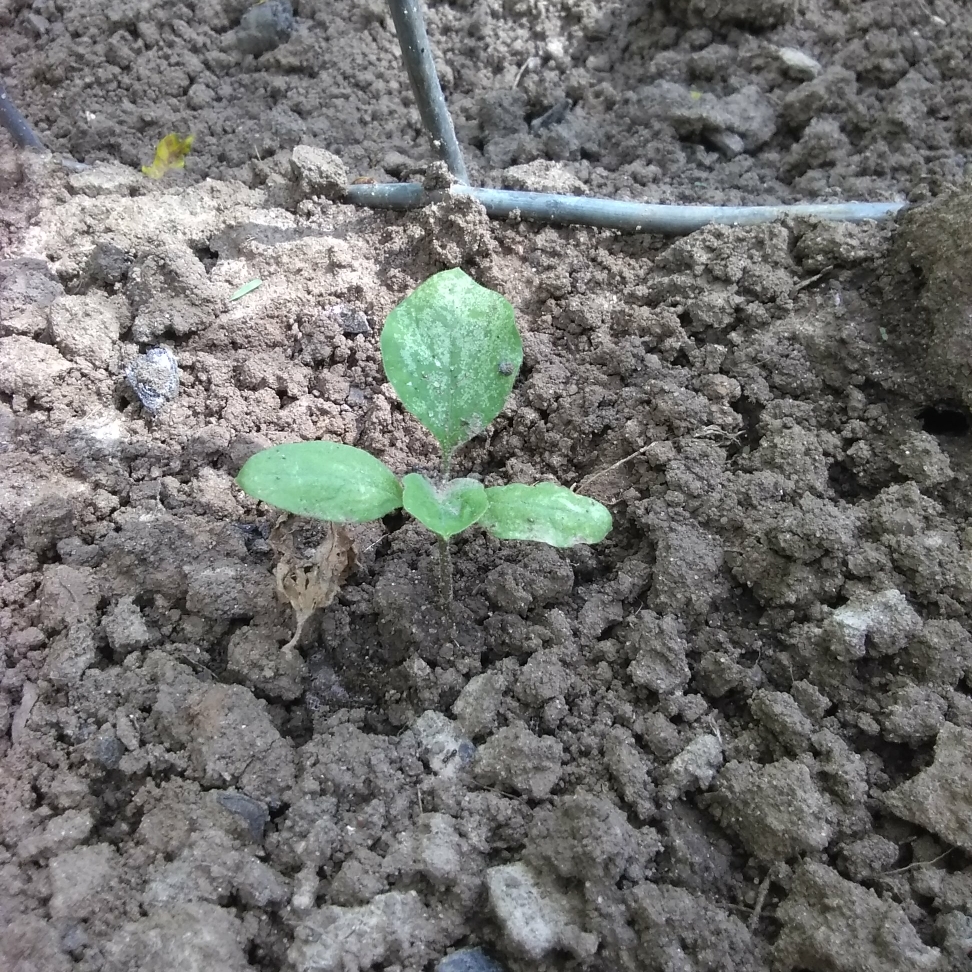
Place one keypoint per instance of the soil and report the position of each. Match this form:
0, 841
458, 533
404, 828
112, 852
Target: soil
735, 736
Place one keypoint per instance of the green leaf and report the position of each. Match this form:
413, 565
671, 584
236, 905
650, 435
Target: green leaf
545, 512
326, 480
451, 351
448, 510
247, 288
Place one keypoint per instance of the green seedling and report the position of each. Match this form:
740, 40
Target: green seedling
451, 351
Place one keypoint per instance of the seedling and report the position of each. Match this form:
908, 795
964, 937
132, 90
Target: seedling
451, 351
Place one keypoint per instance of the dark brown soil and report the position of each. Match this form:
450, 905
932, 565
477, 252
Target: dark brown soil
736, 736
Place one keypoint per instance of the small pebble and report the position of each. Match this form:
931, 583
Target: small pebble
252, 811
155, 378
352, 321
265, 26
469, 960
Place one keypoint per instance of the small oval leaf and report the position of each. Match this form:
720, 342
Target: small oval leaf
326, 480
451, 351
546, 512
448, 510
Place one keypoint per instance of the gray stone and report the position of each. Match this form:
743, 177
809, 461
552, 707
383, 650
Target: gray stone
318, 172
469, 960
535, 920
264, 27
255, 813
799, 66
874, 624
693, 768
940, 798
442, 745
154, 377
833, 925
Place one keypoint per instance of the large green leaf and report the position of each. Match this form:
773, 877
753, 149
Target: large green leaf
448, 510
451, 351
326, 480
545, 512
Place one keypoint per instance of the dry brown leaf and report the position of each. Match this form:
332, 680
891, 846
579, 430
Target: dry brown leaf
314, 560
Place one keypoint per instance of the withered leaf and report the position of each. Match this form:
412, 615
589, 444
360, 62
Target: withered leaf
314, 560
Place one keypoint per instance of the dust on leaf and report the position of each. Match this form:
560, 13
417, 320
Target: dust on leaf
170, 153
314, 560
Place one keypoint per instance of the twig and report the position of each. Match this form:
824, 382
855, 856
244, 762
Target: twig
590, 479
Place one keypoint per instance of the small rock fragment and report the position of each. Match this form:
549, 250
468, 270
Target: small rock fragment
833, 925
264, 27
468, 960
799, 66
441, 744
351, 320
940, 798
875, 624
318, 172
255, 813
693, 768
535, 920
154, 376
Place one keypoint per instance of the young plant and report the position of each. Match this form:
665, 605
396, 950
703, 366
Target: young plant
451, 351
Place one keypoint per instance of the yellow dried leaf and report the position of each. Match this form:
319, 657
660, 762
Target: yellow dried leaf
315, 559
170, 153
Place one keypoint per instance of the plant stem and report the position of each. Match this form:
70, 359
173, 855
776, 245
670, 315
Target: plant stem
445, 572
